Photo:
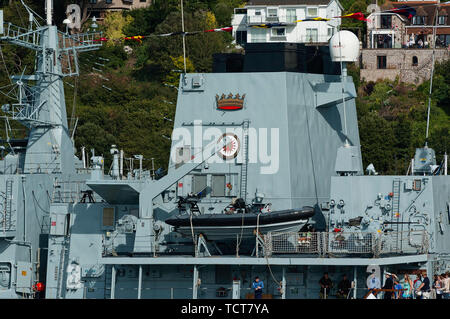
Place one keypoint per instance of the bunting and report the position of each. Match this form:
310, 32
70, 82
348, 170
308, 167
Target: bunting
139, 38
358, 16
313, 19
406, 11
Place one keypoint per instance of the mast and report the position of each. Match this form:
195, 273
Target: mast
40, 102
432, 72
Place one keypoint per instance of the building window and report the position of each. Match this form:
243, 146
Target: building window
258, 35
279, 32
312, 35
381, 62
272, 14
291, 15
108, 1
312, 12
330, 32
415, 61
441, 20
386, 22
93, 1
418, 20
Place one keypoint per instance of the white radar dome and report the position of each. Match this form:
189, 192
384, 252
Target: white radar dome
348, 51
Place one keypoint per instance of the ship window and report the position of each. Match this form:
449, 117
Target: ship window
415, 61
218, 186
198, 184
381, 62
108, 217
223, 274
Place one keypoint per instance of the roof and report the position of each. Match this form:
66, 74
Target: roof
287, 2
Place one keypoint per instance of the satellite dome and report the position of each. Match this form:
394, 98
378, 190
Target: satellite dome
348, 51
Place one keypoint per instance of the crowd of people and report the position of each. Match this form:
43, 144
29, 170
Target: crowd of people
394, 287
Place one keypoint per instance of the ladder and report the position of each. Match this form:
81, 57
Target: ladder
244, 167
8, 205
395, 217
108, 280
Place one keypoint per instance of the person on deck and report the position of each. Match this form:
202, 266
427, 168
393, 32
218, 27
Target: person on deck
424, 287
344, 287
407, 285
325, 286
258, 286
388, 284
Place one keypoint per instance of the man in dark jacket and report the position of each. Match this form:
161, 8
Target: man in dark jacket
344, 287
325, 286
388, 284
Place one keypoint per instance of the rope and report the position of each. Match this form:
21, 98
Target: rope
4, 64
192, 232
279, 283
238, 243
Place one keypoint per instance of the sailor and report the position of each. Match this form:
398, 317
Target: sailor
258, 286
389, 285
373, 282
325, 286
344, 287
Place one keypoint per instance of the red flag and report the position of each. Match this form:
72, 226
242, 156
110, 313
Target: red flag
136, 37
228, 29
358, 16
101, 40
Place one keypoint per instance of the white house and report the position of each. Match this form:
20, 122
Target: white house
285, 13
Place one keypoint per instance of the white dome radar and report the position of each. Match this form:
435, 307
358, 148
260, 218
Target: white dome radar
344, 47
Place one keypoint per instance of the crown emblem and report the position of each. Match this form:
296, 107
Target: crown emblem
230, 102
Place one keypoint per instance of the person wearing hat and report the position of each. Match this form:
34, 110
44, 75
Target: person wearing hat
258, 286
388, 284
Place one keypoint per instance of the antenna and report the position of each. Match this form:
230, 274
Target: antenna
184, 36
432, 73
49, 9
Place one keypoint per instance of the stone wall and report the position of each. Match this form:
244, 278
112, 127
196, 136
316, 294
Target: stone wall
399, 62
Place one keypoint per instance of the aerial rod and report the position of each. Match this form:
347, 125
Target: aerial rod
49, 8
432, 72
184, 36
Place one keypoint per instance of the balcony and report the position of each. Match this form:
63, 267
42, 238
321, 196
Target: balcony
260, 19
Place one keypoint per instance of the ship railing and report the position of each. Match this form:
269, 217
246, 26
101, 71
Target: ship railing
344, 243
68, 191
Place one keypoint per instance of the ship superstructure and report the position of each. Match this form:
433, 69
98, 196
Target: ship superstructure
268, 132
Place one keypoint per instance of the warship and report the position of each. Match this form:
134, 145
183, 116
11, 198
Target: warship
265, 178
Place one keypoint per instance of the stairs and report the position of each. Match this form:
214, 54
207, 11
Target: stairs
108, 280
244, 167
395, 217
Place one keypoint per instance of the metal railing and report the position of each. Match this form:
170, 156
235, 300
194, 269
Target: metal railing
271, 19
322, 243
